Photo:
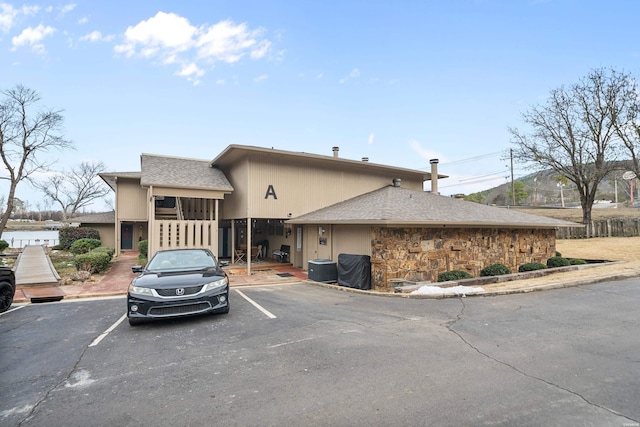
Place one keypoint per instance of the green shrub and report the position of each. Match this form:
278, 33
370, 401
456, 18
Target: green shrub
577, 261
105, 249
557, 261
3, 245
143, 247
68, 235
82, 246
558, 253
495, 270
453, 275
93, 262
531, 266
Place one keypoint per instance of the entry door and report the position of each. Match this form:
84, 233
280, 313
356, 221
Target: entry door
126, 236
318, 244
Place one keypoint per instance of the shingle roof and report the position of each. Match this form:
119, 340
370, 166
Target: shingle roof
182, 172
234, 152
96, 218
110, 177
400, 206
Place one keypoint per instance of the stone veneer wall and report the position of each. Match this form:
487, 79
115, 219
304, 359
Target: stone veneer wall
420, 254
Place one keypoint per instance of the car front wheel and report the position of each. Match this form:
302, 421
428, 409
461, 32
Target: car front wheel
6, 296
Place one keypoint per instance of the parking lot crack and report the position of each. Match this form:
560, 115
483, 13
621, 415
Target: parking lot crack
54, 387
450, 327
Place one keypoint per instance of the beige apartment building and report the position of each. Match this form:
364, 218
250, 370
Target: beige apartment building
250, 201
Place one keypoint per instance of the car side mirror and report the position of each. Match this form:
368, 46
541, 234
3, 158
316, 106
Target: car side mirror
136, 269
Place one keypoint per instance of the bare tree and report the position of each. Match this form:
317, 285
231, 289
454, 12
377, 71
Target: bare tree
75, 189
574, 134
628, 128
25, 137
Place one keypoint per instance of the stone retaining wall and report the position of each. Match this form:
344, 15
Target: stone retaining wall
420, 254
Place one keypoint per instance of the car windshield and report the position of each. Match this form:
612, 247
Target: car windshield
181, 260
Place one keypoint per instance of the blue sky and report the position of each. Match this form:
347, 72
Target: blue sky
399, 82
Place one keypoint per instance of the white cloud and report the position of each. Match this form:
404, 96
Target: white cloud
7, 16
355, 73
416, 146
33, 37
83, 20
29, 10
191, 70
165, 33
67, 8
168, 38
371, 138
261, 78
96, 36
228, 42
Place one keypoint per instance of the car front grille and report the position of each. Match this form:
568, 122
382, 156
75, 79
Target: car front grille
176, 310
171, 292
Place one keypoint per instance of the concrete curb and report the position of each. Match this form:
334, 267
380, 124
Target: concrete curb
512, 278
490, 293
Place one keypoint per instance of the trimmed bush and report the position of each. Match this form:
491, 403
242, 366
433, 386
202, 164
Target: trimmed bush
82, 246
557, 261
577, 261
93, 262
453, 275
107, 250
3, 245
68, 235
495, 270
531, 266
143, 247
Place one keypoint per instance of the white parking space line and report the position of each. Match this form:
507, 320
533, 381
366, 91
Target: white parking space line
105, 333
256, 305
17, 307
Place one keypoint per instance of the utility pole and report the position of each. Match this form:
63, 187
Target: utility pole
513, 185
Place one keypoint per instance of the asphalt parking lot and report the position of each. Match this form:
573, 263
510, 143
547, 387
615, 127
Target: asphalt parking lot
303, 355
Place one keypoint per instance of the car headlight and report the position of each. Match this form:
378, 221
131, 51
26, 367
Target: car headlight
215, 286
137, 290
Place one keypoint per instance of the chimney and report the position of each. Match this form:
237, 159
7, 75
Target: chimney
434, 175
396, 182
365, 159
335, 151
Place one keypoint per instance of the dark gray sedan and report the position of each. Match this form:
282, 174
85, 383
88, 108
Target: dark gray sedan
176, 283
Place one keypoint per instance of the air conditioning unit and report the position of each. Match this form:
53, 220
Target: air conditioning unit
323, 270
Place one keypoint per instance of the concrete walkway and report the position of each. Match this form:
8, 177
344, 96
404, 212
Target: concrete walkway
36, 278
33, 268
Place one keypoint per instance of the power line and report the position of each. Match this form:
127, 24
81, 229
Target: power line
472, 159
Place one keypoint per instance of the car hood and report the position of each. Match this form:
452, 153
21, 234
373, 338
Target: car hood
178, 279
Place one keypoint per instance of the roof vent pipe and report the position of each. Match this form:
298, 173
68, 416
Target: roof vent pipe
335, 151
434, 175
365, 159
396, 182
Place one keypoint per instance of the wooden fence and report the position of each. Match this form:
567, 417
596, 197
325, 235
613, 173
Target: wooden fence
621, 227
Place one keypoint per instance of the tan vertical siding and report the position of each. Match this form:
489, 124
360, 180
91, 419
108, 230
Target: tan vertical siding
132, 200
234, 205
304, 187
351, 239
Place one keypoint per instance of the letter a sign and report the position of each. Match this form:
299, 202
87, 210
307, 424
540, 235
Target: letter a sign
271, 192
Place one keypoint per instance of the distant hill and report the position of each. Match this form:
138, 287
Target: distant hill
542, 190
